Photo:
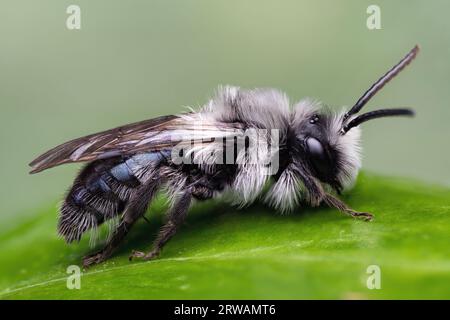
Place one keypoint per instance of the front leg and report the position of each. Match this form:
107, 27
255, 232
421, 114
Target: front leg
332, 201
176, 217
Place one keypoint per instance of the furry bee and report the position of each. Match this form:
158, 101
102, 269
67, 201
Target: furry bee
318, 152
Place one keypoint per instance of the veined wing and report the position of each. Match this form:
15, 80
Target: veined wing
149, 135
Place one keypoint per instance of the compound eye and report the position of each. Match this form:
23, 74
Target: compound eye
318, 156
315, 148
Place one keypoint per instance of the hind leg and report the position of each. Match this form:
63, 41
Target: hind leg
176, 217
112, 244
135, 209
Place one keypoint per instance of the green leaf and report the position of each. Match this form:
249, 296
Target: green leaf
225, 253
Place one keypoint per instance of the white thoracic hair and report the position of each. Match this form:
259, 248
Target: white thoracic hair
270, 109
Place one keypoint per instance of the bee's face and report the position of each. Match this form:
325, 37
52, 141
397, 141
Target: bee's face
315, 150
329, 156
321, 159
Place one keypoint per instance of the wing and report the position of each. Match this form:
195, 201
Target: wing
149, 135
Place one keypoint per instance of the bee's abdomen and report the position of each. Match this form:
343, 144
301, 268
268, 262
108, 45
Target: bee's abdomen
100, 192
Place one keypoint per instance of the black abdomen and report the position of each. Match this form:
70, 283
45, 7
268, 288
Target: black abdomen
100, 192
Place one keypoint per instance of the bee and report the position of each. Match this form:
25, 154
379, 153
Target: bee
318, 152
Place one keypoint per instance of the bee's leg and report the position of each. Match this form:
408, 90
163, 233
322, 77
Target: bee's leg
315, 191
136, 208
111, 245
332, 201
176, 217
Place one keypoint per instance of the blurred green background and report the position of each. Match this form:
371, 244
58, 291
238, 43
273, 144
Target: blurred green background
134, 60
139, 59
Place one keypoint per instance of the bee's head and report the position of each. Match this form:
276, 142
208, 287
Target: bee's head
326, 144
319, 147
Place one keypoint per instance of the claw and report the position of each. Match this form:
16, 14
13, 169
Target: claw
141, 255
364, 215
136, 254
96, 258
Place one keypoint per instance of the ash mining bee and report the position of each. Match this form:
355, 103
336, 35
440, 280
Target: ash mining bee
318, 156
